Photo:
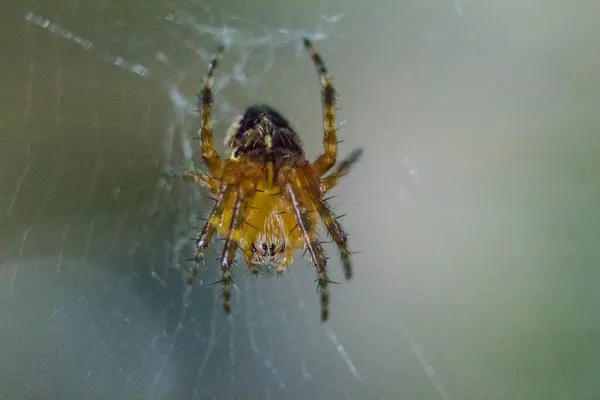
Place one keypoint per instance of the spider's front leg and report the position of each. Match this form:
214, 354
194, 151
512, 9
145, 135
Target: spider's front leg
204, 239
246, 189
209, 154
326, 160
335, 229
292, 184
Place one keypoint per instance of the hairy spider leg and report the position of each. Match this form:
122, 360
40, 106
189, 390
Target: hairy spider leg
341, 170
209, 154
293, 184
249, 172
209, 229
335, 229
203, 179
327, 159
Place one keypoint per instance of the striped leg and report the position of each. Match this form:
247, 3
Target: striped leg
245, 193
292, 184
209, 154
209, 229
327, 159
331, 222
337, 234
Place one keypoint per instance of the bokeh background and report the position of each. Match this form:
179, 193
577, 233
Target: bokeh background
475, 208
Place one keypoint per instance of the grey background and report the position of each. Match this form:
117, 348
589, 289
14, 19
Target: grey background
475, 207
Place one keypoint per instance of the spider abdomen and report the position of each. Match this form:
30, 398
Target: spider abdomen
264, 135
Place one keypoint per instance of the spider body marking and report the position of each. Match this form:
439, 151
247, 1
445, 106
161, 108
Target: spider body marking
268, 196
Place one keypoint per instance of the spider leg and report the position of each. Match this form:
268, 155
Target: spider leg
337, 233
335, 229
209, 229
341, 170
203, 179
245, 192
326, 160
291, 184
209, 154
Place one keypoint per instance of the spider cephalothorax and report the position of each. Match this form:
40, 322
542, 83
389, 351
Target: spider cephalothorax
268, 197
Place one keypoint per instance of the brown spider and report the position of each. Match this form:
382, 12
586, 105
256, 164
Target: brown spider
267, 195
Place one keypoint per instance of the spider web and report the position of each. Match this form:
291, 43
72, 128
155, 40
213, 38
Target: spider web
98, 224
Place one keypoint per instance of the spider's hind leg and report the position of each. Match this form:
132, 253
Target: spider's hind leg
209, 154
327, 159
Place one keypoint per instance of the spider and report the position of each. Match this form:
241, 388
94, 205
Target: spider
267, 196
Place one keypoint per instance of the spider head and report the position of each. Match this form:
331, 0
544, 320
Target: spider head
269, 255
